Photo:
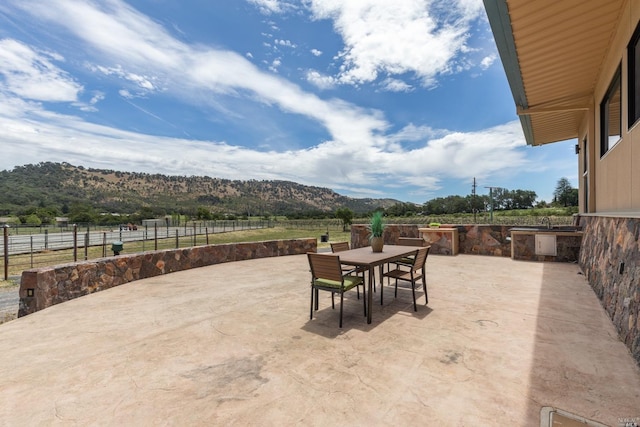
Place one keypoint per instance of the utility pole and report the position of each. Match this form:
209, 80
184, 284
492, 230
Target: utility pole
473, 199
491, 203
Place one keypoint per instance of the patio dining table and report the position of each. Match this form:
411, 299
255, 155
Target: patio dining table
365, 257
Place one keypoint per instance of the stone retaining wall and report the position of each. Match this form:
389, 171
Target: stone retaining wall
473, 239
43, 287
609, 259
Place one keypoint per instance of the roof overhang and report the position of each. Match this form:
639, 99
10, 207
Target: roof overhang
552, 52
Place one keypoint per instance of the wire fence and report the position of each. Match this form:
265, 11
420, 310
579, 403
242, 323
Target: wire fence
24, 248
29, 247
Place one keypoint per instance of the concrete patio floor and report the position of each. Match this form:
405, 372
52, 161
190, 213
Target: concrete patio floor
232, 344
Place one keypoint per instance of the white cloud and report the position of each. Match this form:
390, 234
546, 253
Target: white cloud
141, 82
275, 64
142, 54
32, 74
316, 52
439, 154
487, 61
286, 43
395, 85
403, 36
268, 7
125, 94
97, 97
319, 80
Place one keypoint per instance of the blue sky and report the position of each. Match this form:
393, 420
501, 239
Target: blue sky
405, 99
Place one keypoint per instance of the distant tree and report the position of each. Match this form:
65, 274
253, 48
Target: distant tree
402, 209
565, 194
501, 199
522, 199
447, 205
146, 212
203, 213
32, 219
346, 216
573, 198
81, 213
478, 202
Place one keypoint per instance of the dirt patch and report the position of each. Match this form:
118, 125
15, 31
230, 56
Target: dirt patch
8, 301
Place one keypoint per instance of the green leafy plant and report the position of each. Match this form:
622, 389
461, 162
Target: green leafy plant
376, 224
434, 225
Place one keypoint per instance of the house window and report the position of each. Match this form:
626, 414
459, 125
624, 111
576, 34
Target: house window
610, 118
585, 175
633, 58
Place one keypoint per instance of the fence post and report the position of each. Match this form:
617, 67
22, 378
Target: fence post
104, 244
31, 251
86, 245
46, 238
145, 237
75, 242
206, 233
194, 233
6, 252
155, 236
177, 240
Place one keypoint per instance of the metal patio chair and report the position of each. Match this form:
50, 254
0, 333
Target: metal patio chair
412, 273
327, 275
346, 268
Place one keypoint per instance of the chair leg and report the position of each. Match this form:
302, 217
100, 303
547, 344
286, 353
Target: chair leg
395, 295
333, 306
317, 295
424, 286
311, 310
364, 297
413, 291
341, 300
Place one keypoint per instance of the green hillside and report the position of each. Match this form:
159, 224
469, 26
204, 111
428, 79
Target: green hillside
58, 187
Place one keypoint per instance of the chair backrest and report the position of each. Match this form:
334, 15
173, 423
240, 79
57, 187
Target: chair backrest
340, 246
411, 241
324, 266
421, 258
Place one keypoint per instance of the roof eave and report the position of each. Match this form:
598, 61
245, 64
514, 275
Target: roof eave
500, 22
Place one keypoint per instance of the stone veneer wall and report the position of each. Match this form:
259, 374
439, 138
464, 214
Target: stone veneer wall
567, 246
608, 242
473, 239
43, 287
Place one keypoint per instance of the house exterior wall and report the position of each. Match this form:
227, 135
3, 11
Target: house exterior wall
608, 257
615, 182
610, 247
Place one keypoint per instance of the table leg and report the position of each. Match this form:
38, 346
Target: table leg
370, 296
381, 282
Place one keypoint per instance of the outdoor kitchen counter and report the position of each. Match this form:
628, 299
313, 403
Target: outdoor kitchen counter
443, 240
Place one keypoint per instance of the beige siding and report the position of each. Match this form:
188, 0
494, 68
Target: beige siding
587, 132
616, 180
634, 133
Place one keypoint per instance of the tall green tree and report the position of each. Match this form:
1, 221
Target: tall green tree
346, 216
565, 194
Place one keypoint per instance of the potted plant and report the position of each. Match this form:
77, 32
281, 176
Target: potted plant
376, 227
434, 225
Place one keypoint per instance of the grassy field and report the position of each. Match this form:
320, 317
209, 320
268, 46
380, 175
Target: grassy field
286, 230
18, 263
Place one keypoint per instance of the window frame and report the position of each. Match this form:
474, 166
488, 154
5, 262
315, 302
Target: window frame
633, 78
605, 138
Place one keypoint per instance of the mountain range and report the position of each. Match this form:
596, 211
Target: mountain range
60, 185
